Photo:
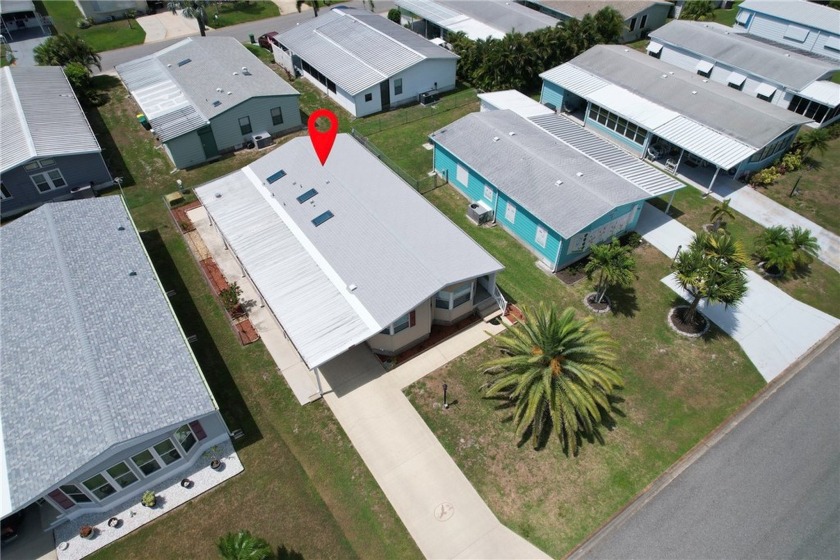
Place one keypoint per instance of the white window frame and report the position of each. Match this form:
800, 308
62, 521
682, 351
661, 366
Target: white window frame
155, 459
510, 212
179, 445
242, 127
462, 175
80, 489
541, 236
398, 86
399, 325
160, 458
130, 470
4, 192
274, 117
488, 192
449, 296
49, 180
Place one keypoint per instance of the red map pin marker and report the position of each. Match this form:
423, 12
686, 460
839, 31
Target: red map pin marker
323, 141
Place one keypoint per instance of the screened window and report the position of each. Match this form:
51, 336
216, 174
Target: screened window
185, 438
146, 462
74, 493
167, 452
48, 180
400, 324
643, 22
447, 299
99, 487
122, 475
622, 126
277, 116
398, 86
368, 97
245, 125
633, 24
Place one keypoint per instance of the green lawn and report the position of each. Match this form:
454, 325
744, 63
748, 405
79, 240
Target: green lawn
232, 13
102, 36
676, 391
819, 287
818, 197
6, 57
727, 17
304, 486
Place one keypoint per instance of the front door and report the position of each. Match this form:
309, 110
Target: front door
208, 142
385, 95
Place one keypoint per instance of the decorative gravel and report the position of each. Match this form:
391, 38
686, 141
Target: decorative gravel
170, 495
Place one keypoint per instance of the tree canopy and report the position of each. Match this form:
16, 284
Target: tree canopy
63, 49
243, 546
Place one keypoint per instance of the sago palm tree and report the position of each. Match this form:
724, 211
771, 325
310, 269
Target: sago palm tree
713, 268
816, 139
560, 374
805, 246
613, 264
719, 212
243, 546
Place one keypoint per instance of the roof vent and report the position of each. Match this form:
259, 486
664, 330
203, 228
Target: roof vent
218, 195
236, 73
664, 75
694, 92
511, 133
132, 273
558, 182
705, 80
626, 50
229, 92
495, 139
245, 70
121, 228
217, 103
670, 72
185, 62
219, 90
579, 173
169, 66
352, 287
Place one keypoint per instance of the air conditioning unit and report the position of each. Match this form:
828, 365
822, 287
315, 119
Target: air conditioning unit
428, 97
261, 140
479, 213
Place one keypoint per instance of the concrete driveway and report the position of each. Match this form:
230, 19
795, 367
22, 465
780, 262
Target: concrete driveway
773, 328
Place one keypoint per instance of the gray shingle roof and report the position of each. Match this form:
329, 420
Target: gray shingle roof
716, 42
183, 86
799, 12
90, 356
579, 8
716, 106
527, 165
41, 116
356, 49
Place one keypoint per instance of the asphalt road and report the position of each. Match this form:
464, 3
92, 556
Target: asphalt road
240, 32
770, 488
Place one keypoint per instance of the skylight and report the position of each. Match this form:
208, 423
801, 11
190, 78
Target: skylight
185, 62
318, 220
276, 177
307, 195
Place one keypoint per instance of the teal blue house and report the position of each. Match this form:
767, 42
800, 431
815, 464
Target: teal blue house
554, 186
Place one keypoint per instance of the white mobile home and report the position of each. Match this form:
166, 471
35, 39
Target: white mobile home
796, 24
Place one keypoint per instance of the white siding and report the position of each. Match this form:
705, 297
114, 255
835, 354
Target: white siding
656, 17
774, 29
186, 151
364, 108
422, 77
226, 126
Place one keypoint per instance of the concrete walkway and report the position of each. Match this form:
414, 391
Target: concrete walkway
438, 505
166, 25
773, 328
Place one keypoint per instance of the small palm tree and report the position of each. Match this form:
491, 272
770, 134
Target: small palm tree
713, 269
197, 10
559, 372
816, 139
613, 264
805, 246
719, 212
243, 546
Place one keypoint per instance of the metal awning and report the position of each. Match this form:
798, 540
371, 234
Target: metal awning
704, 66
796, 33
654, 47
765, 90
714, 147
736, 79
832, 43
825, 92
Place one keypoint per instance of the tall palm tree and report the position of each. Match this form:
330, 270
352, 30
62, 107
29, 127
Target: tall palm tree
719, 212
713, 268
243, 546
559, 372
197, 10
805, 246
613, 264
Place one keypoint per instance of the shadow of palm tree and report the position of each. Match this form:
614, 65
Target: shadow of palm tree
284, 553
623, 301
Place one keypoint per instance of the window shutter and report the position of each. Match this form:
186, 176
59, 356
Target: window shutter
61, 499
198, 430
412, 318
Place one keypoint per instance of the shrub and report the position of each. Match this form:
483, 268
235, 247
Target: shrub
765, 177
394, 15
82, 23
230, 297
149, 499
792, 160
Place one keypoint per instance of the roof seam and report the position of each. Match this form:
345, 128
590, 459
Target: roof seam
29, 141
318, 31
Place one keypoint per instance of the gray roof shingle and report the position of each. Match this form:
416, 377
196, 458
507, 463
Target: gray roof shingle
90, 355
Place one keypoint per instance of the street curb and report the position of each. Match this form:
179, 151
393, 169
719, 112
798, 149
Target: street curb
670, 474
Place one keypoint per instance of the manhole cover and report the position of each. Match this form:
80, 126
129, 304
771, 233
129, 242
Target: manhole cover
444, 511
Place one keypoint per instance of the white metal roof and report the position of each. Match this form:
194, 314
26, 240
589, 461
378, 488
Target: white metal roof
736, 79
797, 11
709, 119
358, 50
767, 90
517, 102
827, 93
384, 250
704, 66
41, 116
654, 47
479, 20
181, 87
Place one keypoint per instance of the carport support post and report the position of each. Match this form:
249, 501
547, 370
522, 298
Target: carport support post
717, 170
318, 381
670, 201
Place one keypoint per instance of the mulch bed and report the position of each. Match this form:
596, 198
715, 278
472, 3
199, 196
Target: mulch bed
439, 334
699, 325
514, 314
246, 331
571, 275
217, 280
181, 218
593, 304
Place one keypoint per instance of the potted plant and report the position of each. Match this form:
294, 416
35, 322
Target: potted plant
114, 522
149, 499
214, 454
186, 483
87, 532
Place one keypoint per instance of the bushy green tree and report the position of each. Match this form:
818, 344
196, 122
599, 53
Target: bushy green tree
394, 15
243, 546
63, 49
559, 372
613, 264
698, 10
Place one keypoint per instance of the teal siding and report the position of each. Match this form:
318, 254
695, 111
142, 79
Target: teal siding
552, 94
447, 165
567, 258
786, 141
524, 227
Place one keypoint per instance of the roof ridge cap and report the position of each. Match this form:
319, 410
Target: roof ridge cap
21, 113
